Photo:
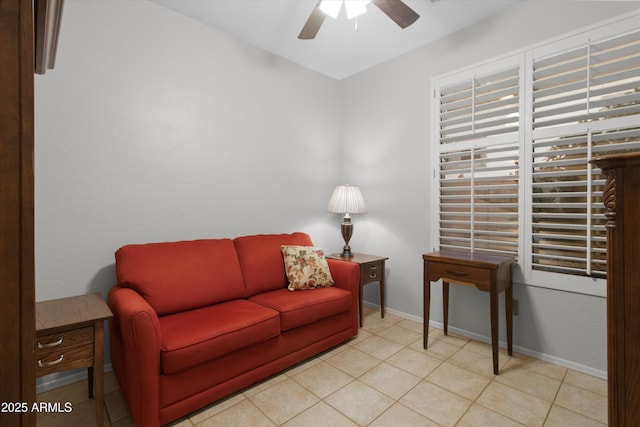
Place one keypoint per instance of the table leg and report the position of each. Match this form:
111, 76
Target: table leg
508, 304
445, 306
382, 292
98, 372
425, 304
90, 381
493, 296
360, 302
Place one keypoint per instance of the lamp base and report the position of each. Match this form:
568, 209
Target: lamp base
346, 252
347, 230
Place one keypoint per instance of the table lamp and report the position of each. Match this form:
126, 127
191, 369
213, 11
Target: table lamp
347, 199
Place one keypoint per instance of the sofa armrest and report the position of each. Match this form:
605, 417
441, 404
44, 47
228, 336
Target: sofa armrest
346, 275
135, 353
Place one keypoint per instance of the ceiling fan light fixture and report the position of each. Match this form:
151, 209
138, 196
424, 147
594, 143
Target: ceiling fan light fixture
355, 8
331, 7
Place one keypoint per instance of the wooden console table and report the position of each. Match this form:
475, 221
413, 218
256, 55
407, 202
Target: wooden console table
488, 273
70, 334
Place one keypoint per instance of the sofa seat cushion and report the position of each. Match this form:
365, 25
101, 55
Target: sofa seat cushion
197, 336
303, 307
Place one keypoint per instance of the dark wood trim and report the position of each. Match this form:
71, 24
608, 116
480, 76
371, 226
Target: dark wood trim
17, 275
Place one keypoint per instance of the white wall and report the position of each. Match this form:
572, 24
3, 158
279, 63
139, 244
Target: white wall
153, 127
386, 137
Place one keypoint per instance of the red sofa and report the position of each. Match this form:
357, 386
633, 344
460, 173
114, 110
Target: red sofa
195, 321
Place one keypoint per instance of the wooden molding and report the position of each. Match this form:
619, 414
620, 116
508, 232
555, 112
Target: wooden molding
47, 16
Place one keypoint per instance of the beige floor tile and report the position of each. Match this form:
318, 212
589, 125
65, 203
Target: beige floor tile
583, 401
379, 347
536, 365
400, 335
414, 362
362, 335
354, 362
116, 406
486, 350
400, 416
457, 340
320, 415
359, 402
411, 325
375, 325
183, 422
436, 403
322, 379
295, 370
216, 408
476, 362
332, 352
241, 414
127, 422
75, 393
460, 381
82, 414
390, 380
283, 401
436, 348
478, 416
110, 383
265, 384
514, 404
530, 382
561, 417
587, 382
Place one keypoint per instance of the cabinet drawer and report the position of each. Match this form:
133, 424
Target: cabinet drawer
59, 351
460, 274
63, 340
55, 360
371, 272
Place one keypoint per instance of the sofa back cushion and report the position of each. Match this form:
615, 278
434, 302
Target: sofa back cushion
179, 276
262, 262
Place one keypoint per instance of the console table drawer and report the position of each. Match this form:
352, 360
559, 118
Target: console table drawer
460, 274
371, 272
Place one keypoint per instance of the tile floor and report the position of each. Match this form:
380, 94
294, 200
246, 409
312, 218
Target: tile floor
385, 378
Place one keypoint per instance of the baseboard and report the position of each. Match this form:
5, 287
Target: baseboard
53, 381
523, 350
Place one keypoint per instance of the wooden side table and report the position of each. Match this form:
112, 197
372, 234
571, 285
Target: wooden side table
371, 270
488, 273
70, 334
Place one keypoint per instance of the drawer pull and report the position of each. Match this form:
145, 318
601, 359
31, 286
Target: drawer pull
373, 276
51, 344
373, 267
42, 364
457, 273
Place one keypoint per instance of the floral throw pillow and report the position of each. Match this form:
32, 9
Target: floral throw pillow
306, 267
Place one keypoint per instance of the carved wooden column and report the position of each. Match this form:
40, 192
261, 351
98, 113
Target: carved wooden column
621, 197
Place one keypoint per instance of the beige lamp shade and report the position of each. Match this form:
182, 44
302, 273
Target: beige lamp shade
347, 199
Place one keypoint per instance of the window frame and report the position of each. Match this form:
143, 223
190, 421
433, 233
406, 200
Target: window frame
524, 272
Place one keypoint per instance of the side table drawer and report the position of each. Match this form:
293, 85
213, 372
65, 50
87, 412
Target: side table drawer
371, 272
461, 274
64, 350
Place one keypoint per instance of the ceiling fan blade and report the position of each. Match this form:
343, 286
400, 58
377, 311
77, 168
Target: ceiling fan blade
398, 11
313, 24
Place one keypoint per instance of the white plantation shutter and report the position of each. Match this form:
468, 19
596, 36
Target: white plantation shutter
480, 106
479, 161
514, 140
479, 199
586, 102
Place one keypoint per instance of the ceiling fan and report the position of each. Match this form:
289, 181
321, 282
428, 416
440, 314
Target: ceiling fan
397, 10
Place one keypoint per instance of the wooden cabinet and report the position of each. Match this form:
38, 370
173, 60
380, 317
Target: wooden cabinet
621, 197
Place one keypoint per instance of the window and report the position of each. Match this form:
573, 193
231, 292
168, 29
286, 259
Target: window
514, 140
